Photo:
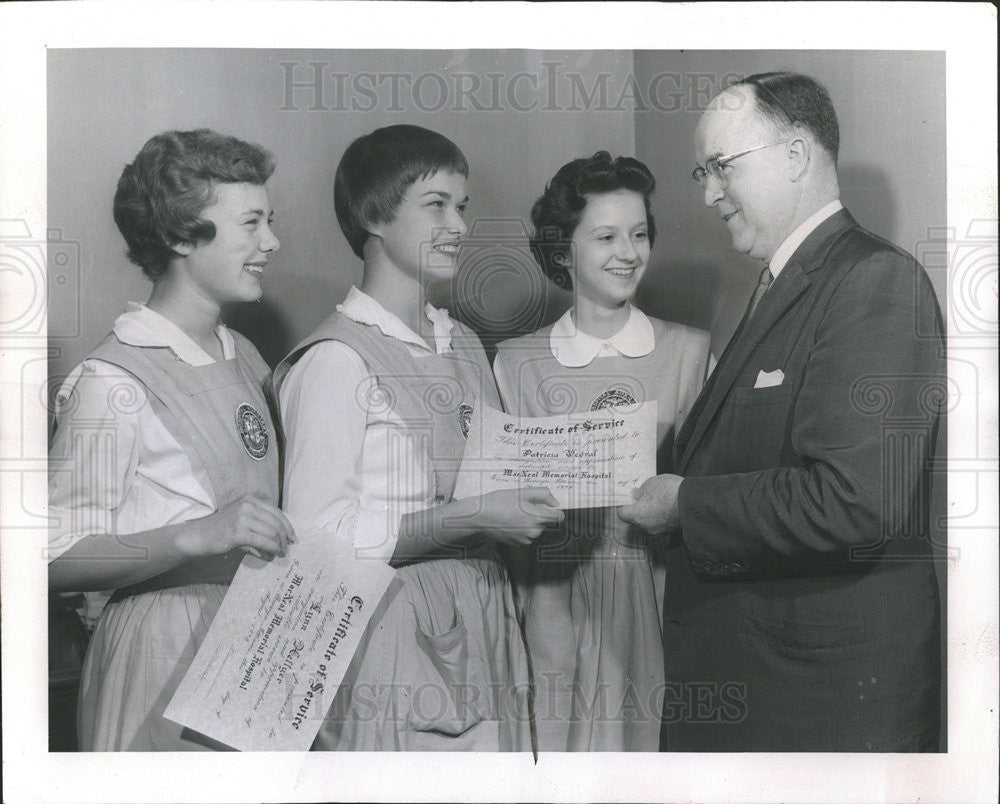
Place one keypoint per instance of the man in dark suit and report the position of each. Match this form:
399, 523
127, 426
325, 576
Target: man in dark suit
802, 609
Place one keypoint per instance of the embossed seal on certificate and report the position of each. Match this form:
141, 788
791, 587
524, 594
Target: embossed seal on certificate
464, 417
612, 397
253, 431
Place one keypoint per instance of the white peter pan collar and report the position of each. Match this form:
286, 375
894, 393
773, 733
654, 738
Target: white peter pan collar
140, 326
360, 307
575, 349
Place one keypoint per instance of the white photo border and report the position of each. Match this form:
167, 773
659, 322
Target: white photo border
967, 772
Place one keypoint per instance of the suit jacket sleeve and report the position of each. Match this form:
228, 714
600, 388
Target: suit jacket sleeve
876, 358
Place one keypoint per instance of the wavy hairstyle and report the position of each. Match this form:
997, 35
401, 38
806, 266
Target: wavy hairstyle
378, 168
161, 195
556, 214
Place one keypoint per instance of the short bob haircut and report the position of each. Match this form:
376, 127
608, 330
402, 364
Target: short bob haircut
162, 193
789, 99
378, 168
555, 215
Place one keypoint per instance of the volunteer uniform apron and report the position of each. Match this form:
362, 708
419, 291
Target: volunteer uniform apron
149, 632
442, 664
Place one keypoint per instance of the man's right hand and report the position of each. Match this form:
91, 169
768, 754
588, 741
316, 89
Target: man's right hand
655, 509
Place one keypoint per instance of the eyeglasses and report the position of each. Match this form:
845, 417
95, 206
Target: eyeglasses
714, 166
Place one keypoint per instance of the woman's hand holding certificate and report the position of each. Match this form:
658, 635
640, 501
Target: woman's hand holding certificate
515, 516
280, 644
248, 523
510, 516
586, 460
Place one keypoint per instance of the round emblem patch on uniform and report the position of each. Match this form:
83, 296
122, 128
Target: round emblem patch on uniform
464, 418
612, 397
253, 431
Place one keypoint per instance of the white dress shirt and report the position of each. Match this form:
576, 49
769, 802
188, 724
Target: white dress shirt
796, 238
349, 468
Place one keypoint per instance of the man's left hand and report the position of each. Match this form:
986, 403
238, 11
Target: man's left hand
655, 508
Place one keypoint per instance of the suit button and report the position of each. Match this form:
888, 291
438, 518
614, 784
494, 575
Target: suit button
736, 568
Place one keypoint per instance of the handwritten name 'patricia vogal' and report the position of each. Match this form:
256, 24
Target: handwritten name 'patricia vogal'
566, 453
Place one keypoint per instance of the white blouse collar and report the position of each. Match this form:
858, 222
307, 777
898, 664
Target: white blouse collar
140, 326
360, 307
575, 349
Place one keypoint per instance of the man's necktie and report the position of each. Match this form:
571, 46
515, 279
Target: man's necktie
765, 282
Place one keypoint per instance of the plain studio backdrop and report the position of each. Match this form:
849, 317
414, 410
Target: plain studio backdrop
518, 116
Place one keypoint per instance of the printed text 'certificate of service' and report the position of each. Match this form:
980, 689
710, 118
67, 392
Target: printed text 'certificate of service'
280, 645
590, 459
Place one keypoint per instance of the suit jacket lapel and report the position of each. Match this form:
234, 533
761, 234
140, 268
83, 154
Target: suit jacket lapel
790, 284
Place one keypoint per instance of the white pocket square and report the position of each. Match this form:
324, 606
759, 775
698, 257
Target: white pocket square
769, 379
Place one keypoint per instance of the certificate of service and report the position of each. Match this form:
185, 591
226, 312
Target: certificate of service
280, 645
590, 459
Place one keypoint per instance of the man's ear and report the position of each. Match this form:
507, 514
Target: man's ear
184, 249
799, 154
